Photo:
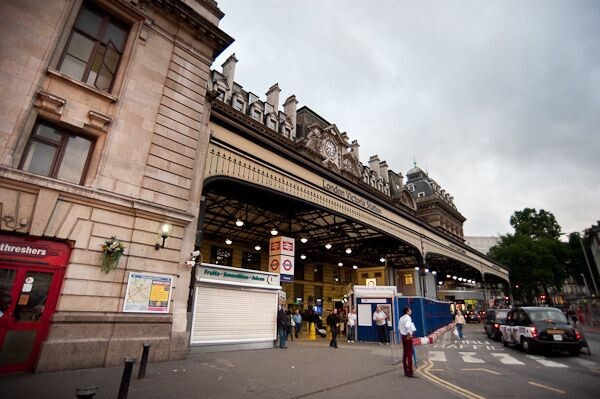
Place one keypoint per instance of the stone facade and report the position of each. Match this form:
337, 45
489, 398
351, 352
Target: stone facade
149, 140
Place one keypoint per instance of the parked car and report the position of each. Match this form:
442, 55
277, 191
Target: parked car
495, 318
472, 316
534, 328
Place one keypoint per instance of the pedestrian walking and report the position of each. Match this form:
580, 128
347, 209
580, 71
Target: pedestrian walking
380, 319
351, 325
459, 319
289, 324
298, 322
281, 327
407, 328
332, 321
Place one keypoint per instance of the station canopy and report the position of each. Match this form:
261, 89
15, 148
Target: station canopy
262, 210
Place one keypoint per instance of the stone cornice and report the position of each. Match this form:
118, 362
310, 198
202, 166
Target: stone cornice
89, 195
205, 30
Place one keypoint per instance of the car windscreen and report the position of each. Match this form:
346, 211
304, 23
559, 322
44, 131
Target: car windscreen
501, 315
548, 315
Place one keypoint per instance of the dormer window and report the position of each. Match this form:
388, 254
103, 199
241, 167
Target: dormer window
256, 114
271, 123
421, 194
238, 105
411, 187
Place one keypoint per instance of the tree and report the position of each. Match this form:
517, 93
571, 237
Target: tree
534, 224
534, 254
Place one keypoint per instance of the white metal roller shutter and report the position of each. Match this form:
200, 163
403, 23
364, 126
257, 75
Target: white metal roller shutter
233, 314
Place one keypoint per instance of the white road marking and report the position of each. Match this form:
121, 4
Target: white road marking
584, 363
437, 356
546, 362
505, 358
469, 357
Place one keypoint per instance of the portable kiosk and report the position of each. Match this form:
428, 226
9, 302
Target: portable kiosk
234, 308
367, 298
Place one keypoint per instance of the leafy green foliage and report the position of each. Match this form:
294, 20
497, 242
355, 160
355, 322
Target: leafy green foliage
534, 254
534, 224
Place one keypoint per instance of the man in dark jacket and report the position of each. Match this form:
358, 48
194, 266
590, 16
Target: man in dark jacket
281, 327
332, 321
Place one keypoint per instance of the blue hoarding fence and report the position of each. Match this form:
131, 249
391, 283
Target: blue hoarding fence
428, 315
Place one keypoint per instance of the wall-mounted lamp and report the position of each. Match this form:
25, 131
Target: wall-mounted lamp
454, 277
302, 256
355, 267
327, 246
274, 232
164, 231
348, 251
257, 247
382, 259
239, 223
340, 264
417, 268
228, 241
434, 272
426, 270
304, 240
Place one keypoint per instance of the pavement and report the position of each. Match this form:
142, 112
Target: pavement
307, 369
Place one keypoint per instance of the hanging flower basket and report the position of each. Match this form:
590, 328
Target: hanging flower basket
112, 250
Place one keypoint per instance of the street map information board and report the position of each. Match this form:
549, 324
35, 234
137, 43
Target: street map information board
148, 293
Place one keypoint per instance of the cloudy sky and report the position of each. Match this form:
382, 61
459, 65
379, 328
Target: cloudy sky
499, 101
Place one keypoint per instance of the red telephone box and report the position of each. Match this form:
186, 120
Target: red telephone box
31, 275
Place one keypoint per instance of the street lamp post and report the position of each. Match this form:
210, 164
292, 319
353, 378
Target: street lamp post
588, 265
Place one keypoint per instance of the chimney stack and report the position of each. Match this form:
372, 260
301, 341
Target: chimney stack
383, 171
229, 72
289, 109
354, 149
374, 164
273, 97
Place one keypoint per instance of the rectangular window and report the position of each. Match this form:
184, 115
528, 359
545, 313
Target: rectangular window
408, 279
251, 260
221, 256
299, 271
94, 47
298, 293
56, 153
336, 276
238, 105
318, 272
318, 294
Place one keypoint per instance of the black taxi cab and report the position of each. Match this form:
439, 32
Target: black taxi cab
534, 328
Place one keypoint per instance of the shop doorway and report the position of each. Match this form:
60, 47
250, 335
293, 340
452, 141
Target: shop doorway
31, 274
29, 296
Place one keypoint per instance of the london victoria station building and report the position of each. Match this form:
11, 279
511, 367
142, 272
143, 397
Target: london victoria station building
142, 193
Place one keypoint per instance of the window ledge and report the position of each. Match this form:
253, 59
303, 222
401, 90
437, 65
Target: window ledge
100, 93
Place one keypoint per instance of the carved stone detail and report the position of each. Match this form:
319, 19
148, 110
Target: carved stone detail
98, 121
50, 103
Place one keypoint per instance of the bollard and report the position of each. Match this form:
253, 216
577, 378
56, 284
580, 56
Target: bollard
144, 361
86, 392
311, 335
126, 379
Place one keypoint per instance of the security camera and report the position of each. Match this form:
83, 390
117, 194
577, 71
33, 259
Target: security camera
190, 263
195, 253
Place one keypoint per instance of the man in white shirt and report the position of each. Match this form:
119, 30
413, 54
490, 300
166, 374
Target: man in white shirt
351, 325
407, 328
380, 319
